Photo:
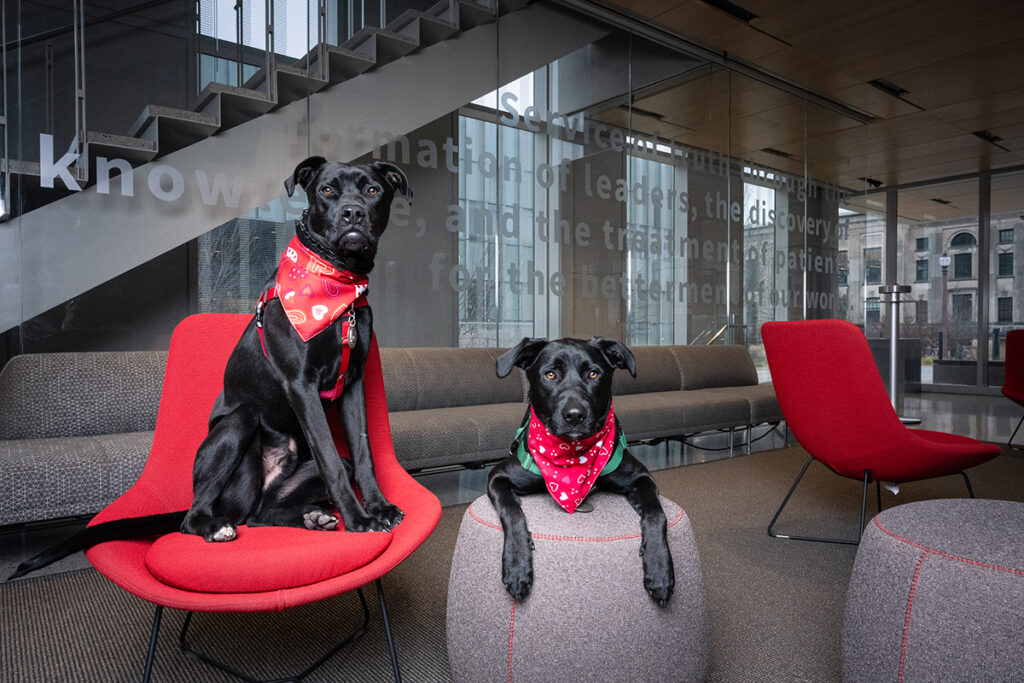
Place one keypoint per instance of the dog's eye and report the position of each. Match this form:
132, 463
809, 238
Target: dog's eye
594, 374
327, 190
550, 374
373, 190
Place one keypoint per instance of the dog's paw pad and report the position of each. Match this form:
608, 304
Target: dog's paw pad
223, 534
319, 520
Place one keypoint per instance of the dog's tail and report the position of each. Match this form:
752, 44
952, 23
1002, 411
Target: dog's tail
117, 530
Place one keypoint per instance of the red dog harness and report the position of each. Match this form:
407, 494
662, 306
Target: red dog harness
314, 294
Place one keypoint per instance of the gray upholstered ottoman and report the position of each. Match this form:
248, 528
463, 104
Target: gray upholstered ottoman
937, 594
589, 561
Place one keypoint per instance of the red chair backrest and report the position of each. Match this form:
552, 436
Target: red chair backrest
830, 391
198, 354
1013, 383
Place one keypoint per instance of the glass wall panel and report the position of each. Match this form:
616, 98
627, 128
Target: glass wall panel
572, 180
1006, 275
938, 257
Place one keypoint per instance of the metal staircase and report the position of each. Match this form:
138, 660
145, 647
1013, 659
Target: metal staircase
159, 131
232, 152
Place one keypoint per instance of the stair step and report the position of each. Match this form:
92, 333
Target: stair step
380, 45
343, 64
232, 105
473, 14
422, 28
293, 83
171, 129
135, 151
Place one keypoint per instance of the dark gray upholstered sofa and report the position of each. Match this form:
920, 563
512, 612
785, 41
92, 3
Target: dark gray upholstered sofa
447, 407
76, 428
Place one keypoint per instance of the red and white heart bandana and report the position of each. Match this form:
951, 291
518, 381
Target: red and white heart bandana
313, 292
569, 467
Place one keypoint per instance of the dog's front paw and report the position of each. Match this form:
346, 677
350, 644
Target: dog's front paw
319, 520
222, 533
517, 572
360, 522
659, 575
387, 514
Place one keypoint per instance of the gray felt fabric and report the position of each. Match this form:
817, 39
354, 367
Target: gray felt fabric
53, 478
80, 394
937, 594
614, 632
75, 430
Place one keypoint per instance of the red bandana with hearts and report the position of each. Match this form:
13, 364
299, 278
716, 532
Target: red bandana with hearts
313, 292
569, 467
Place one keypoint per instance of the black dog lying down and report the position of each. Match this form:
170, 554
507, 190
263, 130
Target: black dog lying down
570, 441
269, 458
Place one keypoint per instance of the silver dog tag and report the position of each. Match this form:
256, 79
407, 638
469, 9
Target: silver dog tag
352, 330
585, 506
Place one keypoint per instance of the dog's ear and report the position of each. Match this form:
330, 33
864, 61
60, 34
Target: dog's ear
395, 177
520, 355
302, 173
617, 353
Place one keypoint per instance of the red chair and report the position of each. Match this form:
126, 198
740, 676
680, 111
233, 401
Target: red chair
1013, 384
835, 404
265, 568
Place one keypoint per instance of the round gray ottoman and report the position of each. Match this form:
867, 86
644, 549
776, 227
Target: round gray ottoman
587, 617
937, 594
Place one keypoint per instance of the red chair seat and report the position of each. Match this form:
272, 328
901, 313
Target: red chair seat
261, 559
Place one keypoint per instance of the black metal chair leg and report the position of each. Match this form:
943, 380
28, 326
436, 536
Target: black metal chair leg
970, 491
1010, 442
863, 506
228, 669
148, 671
387, 632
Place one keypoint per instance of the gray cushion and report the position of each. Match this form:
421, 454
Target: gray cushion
450, 436
764, 406
936, 594
592, 560
714, 366
656, 370
80, 394
416, 379
53, 478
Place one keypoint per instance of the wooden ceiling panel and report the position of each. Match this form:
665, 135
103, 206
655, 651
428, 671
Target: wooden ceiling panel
961, 62
875, 102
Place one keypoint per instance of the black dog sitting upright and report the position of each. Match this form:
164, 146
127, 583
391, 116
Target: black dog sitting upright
269, 457
570, 395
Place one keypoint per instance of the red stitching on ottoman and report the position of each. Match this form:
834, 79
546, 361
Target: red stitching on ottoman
933, 551
917, 573
910, 606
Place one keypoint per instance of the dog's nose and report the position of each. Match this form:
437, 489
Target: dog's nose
352, 214
574, 416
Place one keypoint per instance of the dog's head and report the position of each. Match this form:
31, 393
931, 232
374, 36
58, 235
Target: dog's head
349, 207
570, 380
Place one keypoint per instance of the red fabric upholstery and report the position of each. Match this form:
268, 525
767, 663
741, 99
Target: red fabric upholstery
1013, 384
261, 558
198, 354
834, 402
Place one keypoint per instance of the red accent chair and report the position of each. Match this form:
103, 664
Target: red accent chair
835, 404
1013, 384
265, 568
